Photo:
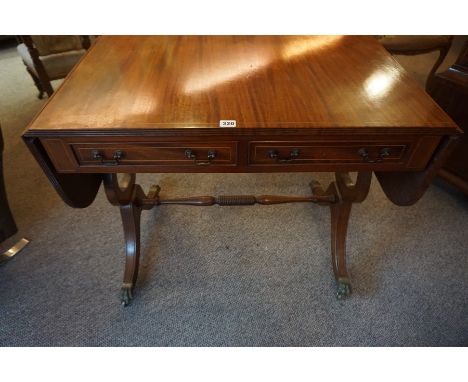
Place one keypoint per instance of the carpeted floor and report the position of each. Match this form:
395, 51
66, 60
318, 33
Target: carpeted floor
226, 276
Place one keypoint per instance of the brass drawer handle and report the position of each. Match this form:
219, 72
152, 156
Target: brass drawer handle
118, 155
294, 154
188, 153
383, 153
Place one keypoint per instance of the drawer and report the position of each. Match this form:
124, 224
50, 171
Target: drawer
304, 152
143, 154
156, 153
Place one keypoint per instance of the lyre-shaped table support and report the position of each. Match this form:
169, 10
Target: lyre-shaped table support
340, 195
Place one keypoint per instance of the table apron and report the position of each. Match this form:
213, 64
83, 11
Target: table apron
239, 154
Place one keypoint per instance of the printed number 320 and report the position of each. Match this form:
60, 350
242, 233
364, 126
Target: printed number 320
227, 123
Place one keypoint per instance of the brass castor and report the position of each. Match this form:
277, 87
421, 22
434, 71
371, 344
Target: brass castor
343, 289
126, 295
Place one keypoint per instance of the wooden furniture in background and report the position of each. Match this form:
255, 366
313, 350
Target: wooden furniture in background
413, 45
450, 90
7, 222
49, 58
319, 103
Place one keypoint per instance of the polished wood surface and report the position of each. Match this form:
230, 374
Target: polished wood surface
346, 193
237, 153
324, 103
77, 190
406, 188
413, 45
320, 82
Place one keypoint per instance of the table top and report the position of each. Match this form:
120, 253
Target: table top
326, 83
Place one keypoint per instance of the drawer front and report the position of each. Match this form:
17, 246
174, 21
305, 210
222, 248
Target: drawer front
243, 154
156, 153
300, 152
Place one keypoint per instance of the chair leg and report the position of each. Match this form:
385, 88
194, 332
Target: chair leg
37, 83
48, 87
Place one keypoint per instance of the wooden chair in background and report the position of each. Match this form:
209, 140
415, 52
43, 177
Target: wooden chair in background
450, 90
413, 45
49, 58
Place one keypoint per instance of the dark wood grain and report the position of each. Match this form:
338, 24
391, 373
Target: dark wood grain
129, 197
319, 82
240, 153
77, 190
450, 90
406, 188
324, 103
346, 193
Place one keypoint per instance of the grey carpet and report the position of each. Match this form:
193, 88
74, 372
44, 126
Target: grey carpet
225, 276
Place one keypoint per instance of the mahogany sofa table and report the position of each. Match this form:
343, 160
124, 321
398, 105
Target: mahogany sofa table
209, 104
